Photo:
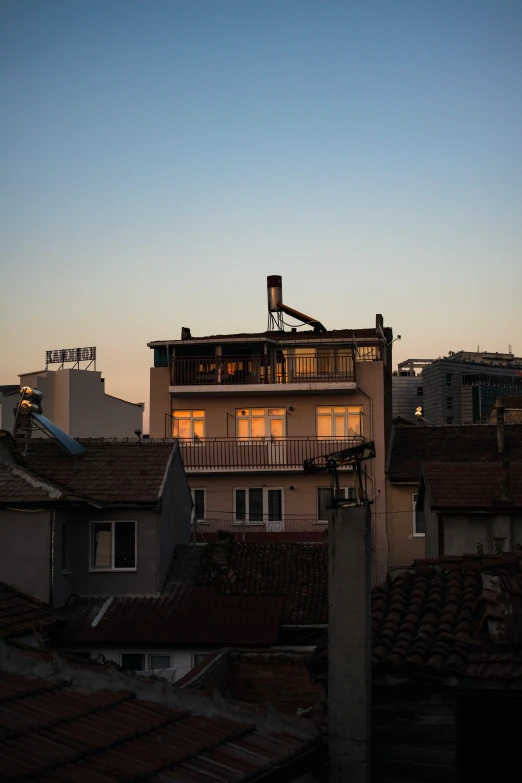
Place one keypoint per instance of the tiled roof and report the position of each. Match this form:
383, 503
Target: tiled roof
111, 471
307, 334
281, 679
474, 485
20, 614
20, 486
435, 620
193, 615
62, 724
297, 571
413, 446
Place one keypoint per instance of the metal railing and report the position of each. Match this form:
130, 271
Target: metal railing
187, 371
284, 525
232, 454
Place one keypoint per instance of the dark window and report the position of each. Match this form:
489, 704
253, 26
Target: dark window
240, 504
133, 661
275, 509
255, 504
448, 379
197, 658
159, 662
449, 420
199, 503
124, 545
420, 391
449, 402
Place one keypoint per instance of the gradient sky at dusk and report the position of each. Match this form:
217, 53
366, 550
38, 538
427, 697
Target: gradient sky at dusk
159, 159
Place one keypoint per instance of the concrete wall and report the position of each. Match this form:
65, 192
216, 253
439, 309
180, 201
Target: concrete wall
7, 403
143, 580
408, 393
160, 403
404, 547
176, 515
25, 551
465, 533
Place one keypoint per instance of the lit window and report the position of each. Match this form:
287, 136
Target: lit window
258, 504
113, 546
339, 421
188, 425
324, 499
255, 423
198, 498
419, 529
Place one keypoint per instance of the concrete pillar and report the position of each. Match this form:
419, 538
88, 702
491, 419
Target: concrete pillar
349, 644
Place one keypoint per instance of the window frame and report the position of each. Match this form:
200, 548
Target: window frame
193, 657
134, 652
193, 517
265, 519
193, 439
150, 656
112, 569
346, 415
414, 500
345, 496
267, 418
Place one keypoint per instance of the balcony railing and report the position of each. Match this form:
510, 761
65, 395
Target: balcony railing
285, 525
232, 454
224, 370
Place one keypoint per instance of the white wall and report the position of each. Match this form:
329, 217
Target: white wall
180, 659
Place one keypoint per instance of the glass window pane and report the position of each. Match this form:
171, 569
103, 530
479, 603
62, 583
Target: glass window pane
258, 428
159, 661
324, 409
276, 411
339, 427
198, 427
133, 661
198, 414
101, 545
276, 428
340, 409
255, 504
323, 500
242, 428
180, 414
183, 428
199, 503
275, 505
240, 503
324, 426
243, 411
124, 545
199, 658
354, 424
258, 411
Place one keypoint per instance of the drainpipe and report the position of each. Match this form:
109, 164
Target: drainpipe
51, 556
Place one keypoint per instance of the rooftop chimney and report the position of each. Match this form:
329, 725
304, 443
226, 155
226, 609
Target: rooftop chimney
501, 437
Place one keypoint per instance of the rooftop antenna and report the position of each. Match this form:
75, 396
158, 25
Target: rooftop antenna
29, 416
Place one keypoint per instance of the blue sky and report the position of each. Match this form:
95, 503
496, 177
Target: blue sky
159, 159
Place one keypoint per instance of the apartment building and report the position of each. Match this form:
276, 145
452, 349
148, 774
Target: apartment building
249, 409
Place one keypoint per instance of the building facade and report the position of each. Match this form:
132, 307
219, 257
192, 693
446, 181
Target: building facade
249, 409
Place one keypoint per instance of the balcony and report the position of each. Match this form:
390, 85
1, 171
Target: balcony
285, 529
230, 455
276, 371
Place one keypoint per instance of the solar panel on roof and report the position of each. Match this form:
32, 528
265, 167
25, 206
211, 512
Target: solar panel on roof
70, 445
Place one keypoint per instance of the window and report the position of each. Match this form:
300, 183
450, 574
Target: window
159, 662
449, 420
339, 421
188, 425
368, 353
133, 661
260, 423
449, 402
420, 391
113, 546
448, 379
65, 555
258, 504
324, 495
418, 520
197, 658
199, 498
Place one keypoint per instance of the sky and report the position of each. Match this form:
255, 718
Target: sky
160, 158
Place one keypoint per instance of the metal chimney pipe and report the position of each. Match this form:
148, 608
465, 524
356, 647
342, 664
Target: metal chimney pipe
274, 284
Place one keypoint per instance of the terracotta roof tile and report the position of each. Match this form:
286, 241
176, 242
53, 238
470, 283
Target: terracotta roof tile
413, 446
474, 485
20, 614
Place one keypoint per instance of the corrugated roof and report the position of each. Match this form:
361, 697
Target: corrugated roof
193, 615
61, 724
474, 485
111, 471
413, 446
21, 614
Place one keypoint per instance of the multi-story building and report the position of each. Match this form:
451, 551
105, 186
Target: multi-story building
408, 388
249, 409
